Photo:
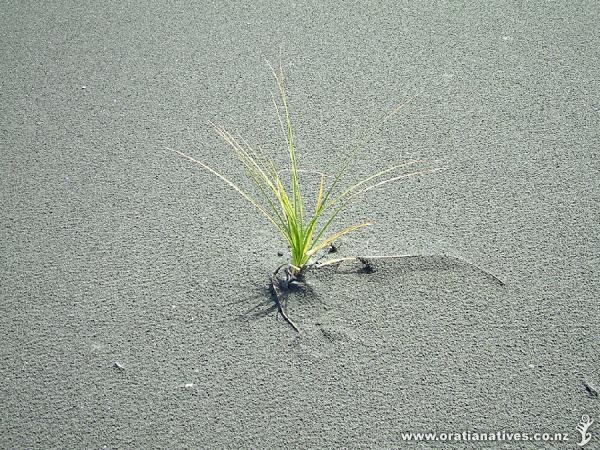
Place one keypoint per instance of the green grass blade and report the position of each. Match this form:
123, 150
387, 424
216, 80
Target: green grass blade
353, 188
327, 224
244, 156
391, 180
337, 235
239, 190
268, 199
370, 133
296, 191
320, 193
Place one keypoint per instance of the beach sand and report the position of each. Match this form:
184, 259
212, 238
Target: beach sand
135, 309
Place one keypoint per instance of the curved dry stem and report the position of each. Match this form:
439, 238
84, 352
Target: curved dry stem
370, 133
279, 296
362, 259
239, 190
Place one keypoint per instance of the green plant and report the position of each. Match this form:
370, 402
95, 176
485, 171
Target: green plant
305, 229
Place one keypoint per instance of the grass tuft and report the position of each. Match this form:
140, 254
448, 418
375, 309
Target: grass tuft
305, 230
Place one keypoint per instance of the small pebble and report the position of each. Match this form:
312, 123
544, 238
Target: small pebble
279, 253
117, 366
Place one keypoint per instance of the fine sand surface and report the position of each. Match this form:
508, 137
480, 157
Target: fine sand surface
134, 308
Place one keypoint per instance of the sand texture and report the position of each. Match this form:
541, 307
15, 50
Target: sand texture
134, 301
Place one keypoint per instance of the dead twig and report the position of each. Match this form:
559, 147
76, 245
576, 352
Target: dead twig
279, 296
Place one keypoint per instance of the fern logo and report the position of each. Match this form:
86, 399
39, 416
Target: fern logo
583, 427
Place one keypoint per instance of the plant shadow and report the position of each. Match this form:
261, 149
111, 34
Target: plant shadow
264, 299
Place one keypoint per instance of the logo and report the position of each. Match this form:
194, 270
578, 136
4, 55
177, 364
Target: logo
583, 427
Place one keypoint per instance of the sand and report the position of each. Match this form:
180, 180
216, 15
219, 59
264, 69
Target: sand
133, 286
